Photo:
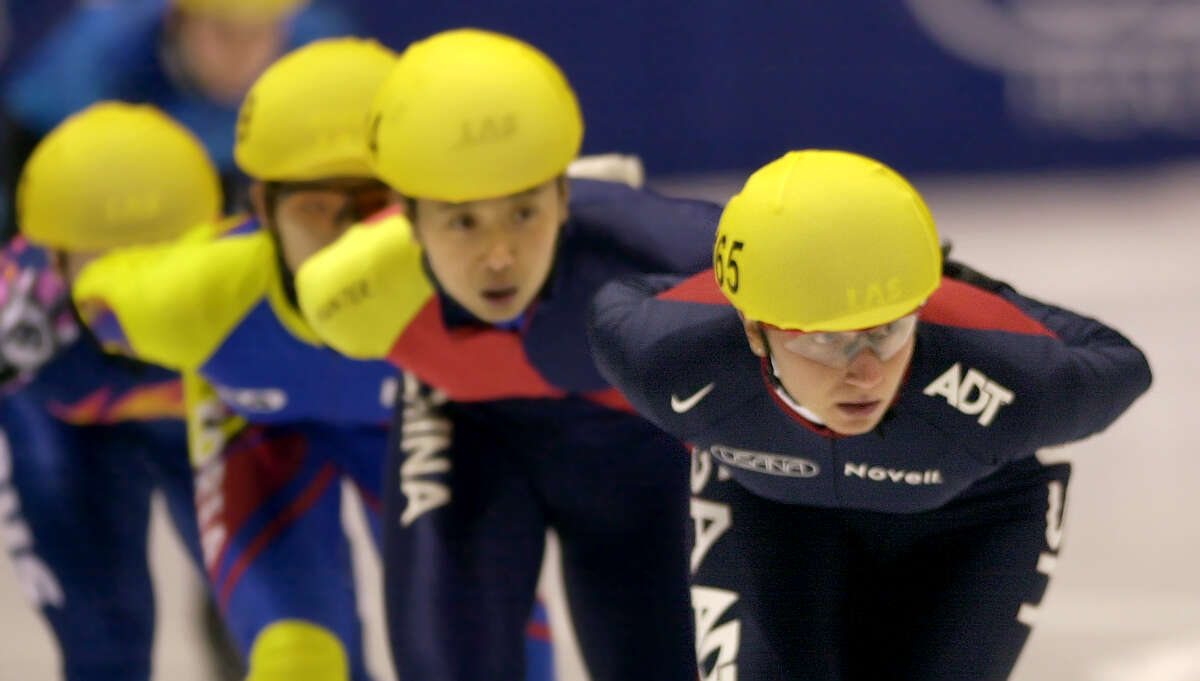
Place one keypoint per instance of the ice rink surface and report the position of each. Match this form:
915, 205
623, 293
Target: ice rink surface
1124, 604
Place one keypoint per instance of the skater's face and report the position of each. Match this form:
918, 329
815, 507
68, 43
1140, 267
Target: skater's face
849, 399
493, 256
224, 57
308, 216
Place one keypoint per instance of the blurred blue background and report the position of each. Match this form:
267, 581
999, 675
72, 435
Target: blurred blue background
928, 85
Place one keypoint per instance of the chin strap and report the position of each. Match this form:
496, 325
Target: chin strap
777, 384
287, 278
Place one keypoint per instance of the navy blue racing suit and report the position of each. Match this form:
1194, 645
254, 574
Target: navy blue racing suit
920, 550
535, 438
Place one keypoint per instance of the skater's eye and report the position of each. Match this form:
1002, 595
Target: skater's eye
462, 222
524, 213
315, 208
822, 339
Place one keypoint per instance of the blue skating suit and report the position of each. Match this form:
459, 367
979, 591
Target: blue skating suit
917, 551
83, 444
532, 437
277, 420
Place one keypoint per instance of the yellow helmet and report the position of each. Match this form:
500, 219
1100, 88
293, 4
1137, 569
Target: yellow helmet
468, 114
826, 241
113, 175
305, 118
242, 10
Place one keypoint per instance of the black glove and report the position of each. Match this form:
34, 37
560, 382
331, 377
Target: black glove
953, 269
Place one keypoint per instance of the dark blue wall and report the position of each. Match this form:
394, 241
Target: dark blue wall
697, 85
703, 85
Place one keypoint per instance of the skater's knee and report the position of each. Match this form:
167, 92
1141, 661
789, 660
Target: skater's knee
294, 650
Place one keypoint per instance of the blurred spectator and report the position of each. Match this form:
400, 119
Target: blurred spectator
22, 25
194, 59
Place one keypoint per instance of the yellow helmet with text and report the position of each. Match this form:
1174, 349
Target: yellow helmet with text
468, 114
116, 174
242, 10
305, 118
827, 241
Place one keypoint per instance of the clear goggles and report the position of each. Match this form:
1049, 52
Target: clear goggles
838, 348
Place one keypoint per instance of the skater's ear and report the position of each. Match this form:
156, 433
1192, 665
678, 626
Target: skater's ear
410, 211
68, 264
754, 335
258, 201
564, 198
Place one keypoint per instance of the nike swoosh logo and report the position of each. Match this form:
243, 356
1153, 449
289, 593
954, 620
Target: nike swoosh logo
680, 406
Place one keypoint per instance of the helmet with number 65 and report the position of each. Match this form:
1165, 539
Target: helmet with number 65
826, 241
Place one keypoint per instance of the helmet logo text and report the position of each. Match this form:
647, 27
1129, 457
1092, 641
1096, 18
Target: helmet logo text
487, 130
875, 293
373, 136
133, 207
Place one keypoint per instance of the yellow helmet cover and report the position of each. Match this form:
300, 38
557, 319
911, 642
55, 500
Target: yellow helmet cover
826, 241
116, 174
305, 118
468, 114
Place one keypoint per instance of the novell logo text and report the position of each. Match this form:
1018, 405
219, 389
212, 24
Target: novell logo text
899, 476
971, 394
